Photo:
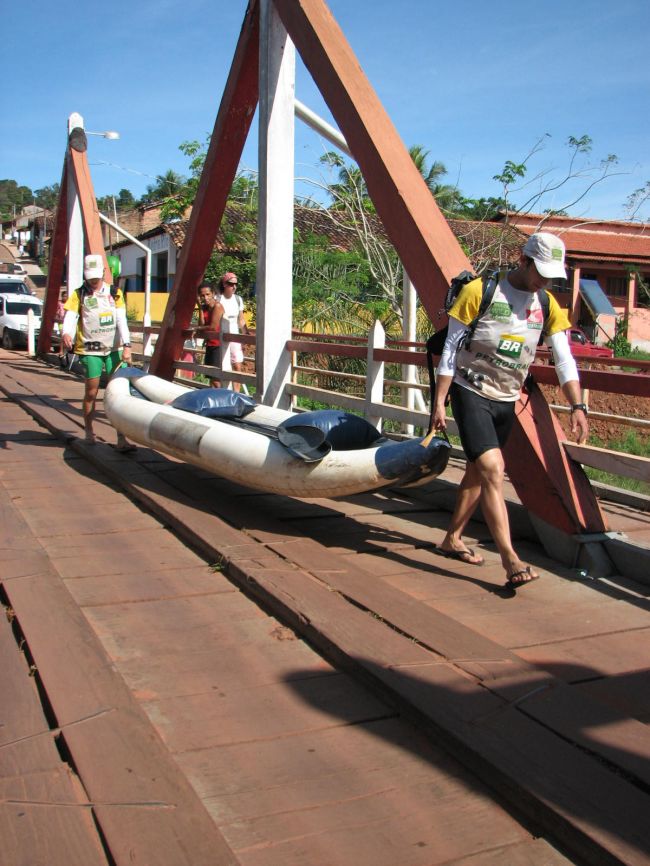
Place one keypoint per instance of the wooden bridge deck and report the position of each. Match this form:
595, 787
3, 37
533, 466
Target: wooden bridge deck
219, 676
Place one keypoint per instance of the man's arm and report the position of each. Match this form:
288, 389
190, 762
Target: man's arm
579, 422
567, 374
443, 384
446, 371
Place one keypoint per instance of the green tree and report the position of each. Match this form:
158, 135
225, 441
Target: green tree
171, 183
514, 177
47, 197
13, 197
637, 200
125, 200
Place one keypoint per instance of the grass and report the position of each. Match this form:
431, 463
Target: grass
630, 443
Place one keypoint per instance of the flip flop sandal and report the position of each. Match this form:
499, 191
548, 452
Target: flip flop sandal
460, 555
129, 448
512, 581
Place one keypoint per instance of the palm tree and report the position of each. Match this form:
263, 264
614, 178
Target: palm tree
430, 173
168, 184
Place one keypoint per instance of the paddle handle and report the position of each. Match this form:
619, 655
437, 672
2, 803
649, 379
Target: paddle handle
432, 435
427, 439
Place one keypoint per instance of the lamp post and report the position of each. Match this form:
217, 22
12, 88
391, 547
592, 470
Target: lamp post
77, 140
110, 134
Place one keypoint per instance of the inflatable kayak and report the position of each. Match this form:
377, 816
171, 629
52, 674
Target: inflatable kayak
314, 454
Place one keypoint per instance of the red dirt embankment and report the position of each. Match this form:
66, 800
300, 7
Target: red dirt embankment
610, 404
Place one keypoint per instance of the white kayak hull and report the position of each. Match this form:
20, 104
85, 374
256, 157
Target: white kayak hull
254, 459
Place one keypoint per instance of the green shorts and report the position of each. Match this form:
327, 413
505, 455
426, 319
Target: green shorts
94, 364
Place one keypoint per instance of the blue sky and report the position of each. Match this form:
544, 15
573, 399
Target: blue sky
475, 83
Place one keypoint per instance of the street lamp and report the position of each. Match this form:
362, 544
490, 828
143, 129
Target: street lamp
76, 121
77, 142
111, 134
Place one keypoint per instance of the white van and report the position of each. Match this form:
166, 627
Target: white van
13, 282
13, 318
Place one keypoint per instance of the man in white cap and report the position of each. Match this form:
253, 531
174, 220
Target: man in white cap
95, 321
483, 376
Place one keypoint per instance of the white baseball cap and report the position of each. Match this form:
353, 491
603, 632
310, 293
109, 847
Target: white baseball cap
93, 267
547, 251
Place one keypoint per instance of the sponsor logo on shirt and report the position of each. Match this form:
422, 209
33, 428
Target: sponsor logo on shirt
510, 346
535, 319
501, 311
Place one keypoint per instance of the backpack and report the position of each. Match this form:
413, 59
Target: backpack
436, 341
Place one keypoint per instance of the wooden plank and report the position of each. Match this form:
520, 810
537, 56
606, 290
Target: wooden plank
168, 620
43, 821
160, 818
578, 799
26, 745
37, 824
601, 655
548, 621
433, 628
152, 548
618, 463
220, 718
375, 827
626, 694
271, 653
279, 764
155, 585
66, 518
612, 381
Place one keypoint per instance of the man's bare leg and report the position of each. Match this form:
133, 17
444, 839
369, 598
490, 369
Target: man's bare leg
491, 469
90, 398
468, 497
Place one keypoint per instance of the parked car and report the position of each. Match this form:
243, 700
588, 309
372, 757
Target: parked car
581, 347
12, 268
12, 286
14, 310
12, 280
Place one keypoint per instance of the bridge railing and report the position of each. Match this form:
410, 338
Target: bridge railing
383, 399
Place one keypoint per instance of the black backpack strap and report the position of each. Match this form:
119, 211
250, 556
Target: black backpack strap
490, 282
545, 303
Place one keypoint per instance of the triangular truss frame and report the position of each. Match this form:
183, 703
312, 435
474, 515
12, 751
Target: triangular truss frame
548, 483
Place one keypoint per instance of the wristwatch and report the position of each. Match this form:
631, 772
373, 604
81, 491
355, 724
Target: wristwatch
582, 406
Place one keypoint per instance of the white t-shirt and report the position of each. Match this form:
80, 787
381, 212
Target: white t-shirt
232, 307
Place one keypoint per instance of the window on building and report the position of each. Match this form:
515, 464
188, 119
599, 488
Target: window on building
159, 273
617, 287
139, 274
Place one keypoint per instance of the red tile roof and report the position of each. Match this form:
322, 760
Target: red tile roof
593, 240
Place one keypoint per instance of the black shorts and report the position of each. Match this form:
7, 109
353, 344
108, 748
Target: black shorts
212, 356
483, 424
